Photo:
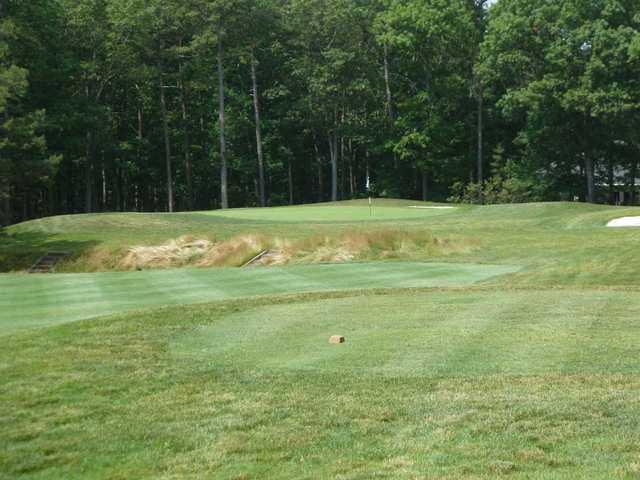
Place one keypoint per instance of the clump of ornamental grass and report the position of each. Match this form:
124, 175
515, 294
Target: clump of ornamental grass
236, 251
363, 245
178, 252
355, 245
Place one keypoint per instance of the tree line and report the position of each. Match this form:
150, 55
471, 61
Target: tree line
177, 105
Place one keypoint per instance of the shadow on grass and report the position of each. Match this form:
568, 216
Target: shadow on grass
18, 251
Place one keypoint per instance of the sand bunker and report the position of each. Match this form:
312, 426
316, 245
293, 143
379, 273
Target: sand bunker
624, 222
434, 207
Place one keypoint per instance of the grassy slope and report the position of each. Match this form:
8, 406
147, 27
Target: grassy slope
534, 375
556, 243
22, 244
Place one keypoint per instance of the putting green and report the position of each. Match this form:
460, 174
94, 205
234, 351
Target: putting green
331, 213
34, 300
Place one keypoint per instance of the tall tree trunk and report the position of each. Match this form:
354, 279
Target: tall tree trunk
256, 110
25, 205
333, 152
5, 184
319, 166
88, 173
186, 148
352, 161
138, 200
52, 198
290, 179
6, 204
167, 143
611, 180
140, 133
104, 186
633, 173
5, 194
342, 167
155, 198
224, 199
387, 84
480, 159
117, 190
589, 173
425, 182
89, 161
589, 167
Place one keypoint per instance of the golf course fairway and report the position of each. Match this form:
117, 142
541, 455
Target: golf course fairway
35, 300
481, 342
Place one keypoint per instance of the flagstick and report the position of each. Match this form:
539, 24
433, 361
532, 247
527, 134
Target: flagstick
368, 187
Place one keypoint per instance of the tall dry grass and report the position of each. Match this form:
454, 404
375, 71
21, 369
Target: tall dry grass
179, 252
237, 251
354, 245
371, 245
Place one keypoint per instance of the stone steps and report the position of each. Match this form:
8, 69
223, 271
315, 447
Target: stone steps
48, 262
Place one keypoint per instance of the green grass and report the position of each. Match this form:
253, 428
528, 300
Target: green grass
517, 358
37, 300
332, 213
433, 384
555, 243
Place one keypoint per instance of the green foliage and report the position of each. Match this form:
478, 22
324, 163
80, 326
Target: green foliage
25, 161
496, 190
13, 78
425, 40
510, 184
386, 89
565, 74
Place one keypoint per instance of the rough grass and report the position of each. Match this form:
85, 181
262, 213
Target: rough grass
465, 384
350, 245
374, 244
176, 253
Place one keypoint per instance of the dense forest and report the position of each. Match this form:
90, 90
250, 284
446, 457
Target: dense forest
175, 105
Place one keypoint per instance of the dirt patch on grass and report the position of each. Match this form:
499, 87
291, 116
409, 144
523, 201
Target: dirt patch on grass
348, 246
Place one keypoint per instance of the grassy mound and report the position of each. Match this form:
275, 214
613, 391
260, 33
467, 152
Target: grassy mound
560, 241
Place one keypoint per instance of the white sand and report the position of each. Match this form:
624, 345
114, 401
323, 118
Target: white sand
438, 207
624, 222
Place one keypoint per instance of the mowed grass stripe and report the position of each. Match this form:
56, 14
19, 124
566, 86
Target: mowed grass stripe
440, 334
32, 300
